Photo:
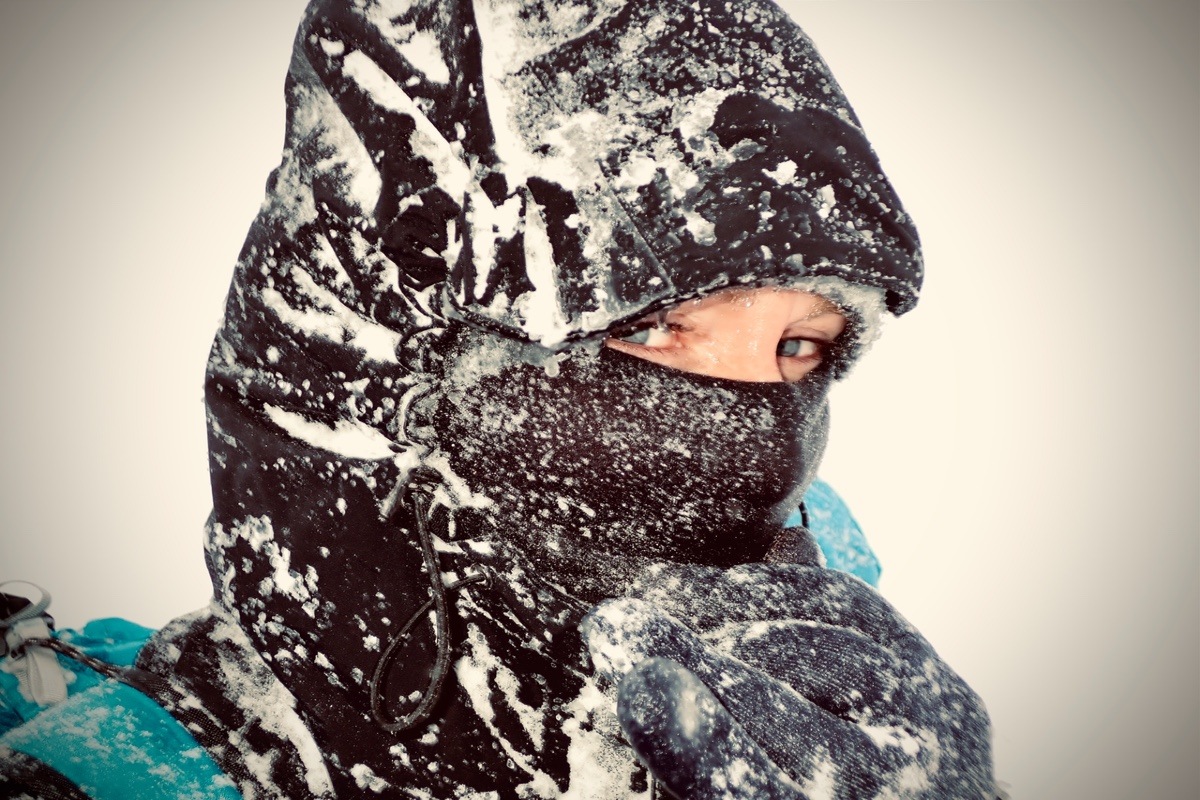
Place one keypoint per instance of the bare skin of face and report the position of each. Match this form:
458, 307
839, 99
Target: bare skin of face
763, 335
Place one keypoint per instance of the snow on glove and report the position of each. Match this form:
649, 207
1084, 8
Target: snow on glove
786, 681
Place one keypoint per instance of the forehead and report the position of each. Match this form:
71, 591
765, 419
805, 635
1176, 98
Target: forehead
811, 305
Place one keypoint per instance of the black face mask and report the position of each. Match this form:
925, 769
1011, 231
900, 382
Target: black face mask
615, 461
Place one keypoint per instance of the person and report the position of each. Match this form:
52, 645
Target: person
522, 378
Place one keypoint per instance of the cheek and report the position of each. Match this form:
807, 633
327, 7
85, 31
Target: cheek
667, 356
793, 371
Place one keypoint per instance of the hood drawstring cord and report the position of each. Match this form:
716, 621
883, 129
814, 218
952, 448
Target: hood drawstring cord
422, 480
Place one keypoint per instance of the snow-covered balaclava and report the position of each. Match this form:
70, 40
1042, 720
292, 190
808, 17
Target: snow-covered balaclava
425, 466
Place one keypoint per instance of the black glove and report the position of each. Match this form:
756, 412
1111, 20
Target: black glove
786, 681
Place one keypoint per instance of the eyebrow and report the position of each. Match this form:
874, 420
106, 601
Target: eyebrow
824, 306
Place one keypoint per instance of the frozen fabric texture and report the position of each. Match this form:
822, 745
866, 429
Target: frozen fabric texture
529, 174
788, 682
26, 778
661, 150
614, 463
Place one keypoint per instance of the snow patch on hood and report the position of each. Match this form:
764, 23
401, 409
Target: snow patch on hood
426, 140
269, 702
346, 437
332, 320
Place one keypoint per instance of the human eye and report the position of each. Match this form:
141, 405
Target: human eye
799, 348
653, 332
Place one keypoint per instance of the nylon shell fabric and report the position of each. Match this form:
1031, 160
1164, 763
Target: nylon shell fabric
537, 173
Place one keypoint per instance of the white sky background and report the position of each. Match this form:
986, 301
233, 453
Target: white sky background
1021, 450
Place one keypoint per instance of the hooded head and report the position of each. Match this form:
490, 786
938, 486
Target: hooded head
471, 196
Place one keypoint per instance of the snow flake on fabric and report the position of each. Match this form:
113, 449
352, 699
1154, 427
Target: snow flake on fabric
367, 779
347, 437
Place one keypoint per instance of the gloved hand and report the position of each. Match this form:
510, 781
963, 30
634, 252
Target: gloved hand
786, 681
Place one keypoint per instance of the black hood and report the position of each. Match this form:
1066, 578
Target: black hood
530, 174
647, 152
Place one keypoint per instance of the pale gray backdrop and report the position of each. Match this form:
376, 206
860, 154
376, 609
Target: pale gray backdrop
1022, 450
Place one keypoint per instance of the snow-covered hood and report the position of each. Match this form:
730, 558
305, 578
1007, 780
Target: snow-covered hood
645, 152
536, 171
550, 169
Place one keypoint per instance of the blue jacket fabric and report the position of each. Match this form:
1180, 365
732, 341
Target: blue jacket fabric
837, 533
113, 742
